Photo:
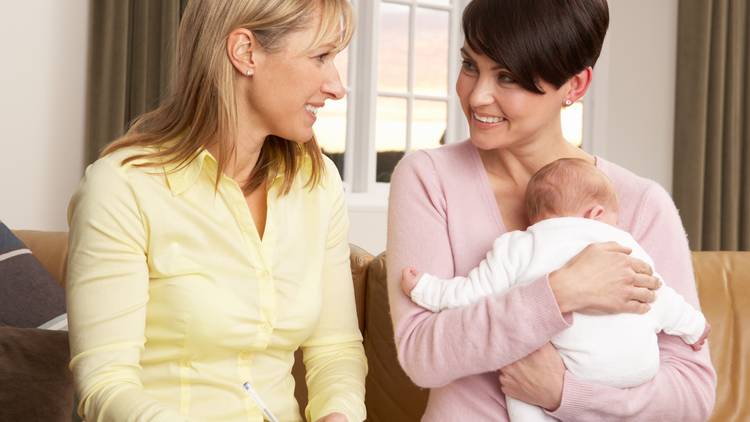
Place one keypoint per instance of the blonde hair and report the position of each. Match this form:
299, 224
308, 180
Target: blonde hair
564, 186
201, 105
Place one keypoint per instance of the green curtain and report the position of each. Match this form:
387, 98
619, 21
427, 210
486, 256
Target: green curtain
712, 141
131, 56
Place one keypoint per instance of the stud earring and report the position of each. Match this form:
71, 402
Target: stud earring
568, 102
248, 72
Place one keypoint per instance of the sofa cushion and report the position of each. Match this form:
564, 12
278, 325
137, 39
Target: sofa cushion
29, 296
390, 394
36, 383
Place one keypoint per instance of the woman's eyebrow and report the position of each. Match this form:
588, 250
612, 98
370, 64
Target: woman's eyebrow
467, 56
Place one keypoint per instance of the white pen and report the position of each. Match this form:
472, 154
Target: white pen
254, 394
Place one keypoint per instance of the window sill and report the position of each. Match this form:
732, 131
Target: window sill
374, 201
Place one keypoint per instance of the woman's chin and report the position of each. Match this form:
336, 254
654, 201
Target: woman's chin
298, 137
486, 142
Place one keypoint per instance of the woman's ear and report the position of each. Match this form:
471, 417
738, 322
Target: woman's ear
578, 85
243, 51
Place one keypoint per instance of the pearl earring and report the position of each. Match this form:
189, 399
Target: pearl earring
248, 72
568, 102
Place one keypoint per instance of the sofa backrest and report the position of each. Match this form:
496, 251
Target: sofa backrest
389, 393
50, 248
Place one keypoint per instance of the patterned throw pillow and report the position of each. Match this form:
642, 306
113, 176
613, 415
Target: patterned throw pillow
29, 296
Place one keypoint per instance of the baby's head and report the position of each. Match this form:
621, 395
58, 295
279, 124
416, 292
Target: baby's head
571, 187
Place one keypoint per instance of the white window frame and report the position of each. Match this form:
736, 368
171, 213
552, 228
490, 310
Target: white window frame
363, 192
360, 155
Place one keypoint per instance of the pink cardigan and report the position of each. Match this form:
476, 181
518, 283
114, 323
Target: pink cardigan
443, 219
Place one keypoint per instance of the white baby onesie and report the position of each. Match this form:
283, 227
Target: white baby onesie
617, 350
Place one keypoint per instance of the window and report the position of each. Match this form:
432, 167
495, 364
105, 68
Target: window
399, 72
572, 123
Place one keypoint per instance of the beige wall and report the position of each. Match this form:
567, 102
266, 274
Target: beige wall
42, 100
637, 109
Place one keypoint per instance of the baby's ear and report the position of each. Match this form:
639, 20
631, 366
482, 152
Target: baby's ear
596, 212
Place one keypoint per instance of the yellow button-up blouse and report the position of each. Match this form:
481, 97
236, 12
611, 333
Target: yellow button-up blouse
175, 301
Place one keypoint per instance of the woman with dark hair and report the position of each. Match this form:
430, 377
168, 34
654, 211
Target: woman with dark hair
523, 61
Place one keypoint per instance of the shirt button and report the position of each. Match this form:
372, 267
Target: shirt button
264, 273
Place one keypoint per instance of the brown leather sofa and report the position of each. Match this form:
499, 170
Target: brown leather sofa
723, 280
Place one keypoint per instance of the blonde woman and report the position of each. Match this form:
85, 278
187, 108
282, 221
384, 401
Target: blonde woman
210, 242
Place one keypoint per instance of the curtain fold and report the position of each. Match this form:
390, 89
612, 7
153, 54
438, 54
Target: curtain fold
712, 142
131, 58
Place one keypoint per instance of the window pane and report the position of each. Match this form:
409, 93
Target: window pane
393, 51
428, 126
330, 131
572, 123
431, 50
440, 2
390, 135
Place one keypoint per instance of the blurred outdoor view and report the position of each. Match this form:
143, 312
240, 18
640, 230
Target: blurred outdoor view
428, 119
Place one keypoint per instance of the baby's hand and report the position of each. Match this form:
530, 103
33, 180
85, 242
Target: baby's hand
699, 344
409, 279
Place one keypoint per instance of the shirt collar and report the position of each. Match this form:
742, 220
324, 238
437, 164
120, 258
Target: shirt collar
181, 176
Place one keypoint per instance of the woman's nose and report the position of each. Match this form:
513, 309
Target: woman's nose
482, 93
333, 87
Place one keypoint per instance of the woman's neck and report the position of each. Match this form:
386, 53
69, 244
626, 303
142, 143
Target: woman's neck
517, 164
241, 163
247, 142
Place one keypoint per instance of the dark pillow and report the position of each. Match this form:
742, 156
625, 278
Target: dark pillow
35, 383
29, 296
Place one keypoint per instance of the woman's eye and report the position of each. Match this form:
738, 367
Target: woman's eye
322, 57
467, 65
507, 79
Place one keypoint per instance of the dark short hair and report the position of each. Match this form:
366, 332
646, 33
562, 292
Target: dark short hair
551, 40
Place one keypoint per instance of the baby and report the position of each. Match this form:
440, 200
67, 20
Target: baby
570, 204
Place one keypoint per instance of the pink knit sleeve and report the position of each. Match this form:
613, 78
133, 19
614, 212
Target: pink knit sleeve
684, 387
437, 348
